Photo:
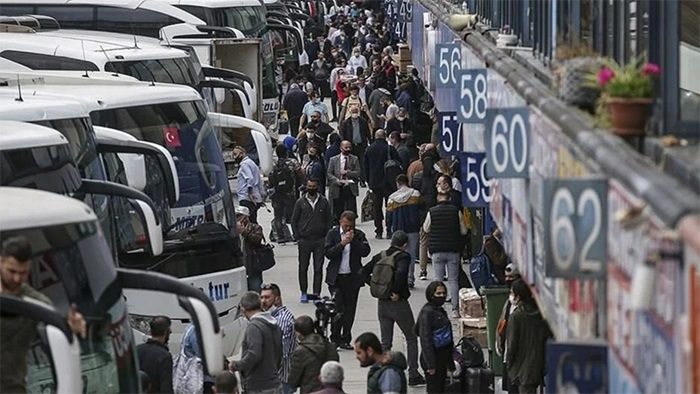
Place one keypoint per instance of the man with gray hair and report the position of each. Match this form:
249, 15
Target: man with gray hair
332, 376
262, 349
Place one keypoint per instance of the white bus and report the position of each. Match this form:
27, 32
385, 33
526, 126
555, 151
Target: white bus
73, 265
201, 244
147, 17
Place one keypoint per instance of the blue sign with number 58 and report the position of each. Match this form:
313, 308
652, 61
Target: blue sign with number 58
575, 223
476, 187
472, 98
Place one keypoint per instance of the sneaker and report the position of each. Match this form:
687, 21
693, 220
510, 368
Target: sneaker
304, 298
411, 285
378, 235
346, 346
423, 275
455, 315
417, 380
313, 297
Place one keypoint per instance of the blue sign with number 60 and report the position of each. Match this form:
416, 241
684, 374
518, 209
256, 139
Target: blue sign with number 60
508, 142
476, 187
575, 223
472, 99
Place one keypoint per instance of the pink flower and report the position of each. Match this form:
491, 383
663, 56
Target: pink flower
605, 75
651, 69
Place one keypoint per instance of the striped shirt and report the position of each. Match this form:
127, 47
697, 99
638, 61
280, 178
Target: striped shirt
285, 320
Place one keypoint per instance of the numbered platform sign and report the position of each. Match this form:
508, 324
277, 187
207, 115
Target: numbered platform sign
448, 58
405, 10
472, 98
476, 187
508, 142
451, 134
400, 30
575, 227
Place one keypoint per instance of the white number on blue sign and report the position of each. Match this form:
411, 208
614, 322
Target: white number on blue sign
452, 135
575, 223
400, 30
449, 59
475, 184
472, 95
508, 142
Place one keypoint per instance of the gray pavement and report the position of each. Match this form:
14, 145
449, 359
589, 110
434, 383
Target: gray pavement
284, 273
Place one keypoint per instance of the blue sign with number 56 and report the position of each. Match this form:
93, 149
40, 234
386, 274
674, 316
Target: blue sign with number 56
448, 59
472, 99
507, 138
575, 223
476, 187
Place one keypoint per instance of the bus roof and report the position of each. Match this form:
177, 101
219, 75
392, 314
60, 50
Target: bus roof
30, 208
34, 108
153, 5
100, 91
21, 135
215, 3
84, 46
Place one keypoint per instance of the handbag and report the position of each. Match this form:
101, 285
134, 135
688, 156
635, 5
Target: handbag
264, 256
442, 336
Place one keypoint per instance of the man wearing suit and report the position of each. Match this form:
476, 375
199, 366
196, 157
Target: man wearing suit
356, 130
375, 157
345, 246
343, 178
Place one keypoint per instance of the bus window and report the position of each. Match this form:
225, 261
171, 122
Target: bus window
132, 21
37, 61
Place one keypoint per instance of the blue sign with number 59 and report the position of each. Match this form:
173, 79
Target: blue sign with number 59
472, 99
507, 138
576, 227
448, 59
476, 187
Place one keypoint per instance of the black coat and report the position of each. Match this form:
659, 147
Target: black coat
294, 102
333, 250
155, 360
346, 132
376, 155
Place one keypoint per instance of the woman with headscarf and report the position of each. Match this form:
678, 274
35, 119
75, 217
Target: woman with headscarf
434, 330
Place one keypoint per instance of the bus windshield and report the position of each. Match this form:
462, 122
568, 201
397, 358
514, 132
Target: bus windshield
49, 168
252, 22
179, 71
182, 128
72, 265
81, 139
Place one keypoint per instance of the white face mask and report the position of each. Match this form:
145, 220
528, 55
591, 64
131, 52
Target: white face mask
512, 299
355, 116
401, 118
357, 54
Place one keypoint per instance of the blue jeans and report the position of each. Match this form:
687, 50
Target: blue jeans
449, 261
413, 244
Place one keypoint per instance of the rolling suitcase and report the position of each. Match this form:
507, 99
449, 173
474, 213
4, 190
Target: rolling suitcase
280, 233
479, 380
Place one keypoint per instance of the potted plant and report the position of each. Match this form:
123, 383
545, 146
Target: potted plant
628, 93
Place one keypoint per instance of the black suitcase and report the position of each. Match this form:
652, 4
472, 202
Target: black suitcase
280, 232
455, 385
479, 380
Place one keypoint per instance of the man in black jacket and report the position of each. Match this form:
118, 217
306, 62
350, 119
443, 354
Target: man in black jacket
155, 358
397, 308
375, 157
345, 246
311, 220
356, 130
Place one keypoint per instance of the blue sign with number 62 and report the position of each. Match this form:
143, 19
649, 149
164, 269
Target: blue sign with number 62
508, 142
472, 98
575, 223
476, 187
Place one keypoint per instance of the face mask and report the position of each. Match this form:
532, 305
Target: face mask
401, 118
237, 159
512, 299
311, 135
346, 152
311, 192
509, 282
315, 101
356, 54
439, 301
355, 116
354, 94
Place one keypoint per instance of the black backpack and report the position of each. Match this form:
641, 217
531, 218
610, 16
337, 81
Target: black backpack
282, 177
392, 169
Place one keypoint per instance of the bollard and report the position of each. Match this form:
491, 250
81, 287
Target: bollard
496, 297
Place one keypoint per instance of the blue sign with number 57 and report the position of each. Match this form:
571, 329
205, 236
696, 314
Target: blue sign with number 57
448, 59
476, 187
575, 223
507, 138
451, 138
472, 99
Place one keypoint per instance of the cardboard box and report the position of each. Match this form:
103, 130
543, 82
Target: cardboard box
470, 304
404, 52
474, 327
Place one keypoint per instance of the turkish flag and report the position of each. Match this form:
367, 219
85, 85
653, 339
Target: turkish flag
171, 135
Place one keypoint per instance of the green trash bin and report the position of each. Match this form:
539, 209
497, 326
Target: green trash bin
496, 297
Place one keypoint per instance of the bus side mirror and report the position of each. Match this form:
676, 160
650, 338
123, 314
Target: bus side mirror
209, 339
152, 228
63, 347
